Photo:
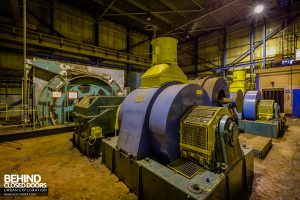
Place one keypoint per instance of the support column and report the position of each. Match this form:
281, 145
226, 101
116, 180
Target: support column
196, 57
127, 51
25, 78
52, 16
252, 31
224, 51
150, 46
264, 43
96, 33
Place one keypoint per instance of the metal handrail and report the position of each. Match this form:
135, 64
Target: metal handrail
107, 51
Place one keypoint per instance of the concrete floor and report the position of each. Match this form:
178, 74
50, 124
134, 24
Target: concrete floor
69, 175
278, 175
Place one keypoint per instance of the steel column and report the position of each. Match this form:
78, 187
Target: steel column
264, 44
127, 47
273, 33
196, 55
25, 80
52, 16
251, 50
224, 51
96, 33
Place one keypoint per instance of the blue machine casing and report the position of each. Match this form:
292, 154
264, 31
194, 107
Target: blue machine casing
169, 107
251, 99
296, 102
133, 115
134, 121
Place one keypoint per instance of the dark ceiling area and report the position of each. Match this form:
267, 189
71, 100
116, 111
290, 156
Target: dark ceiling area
181, 19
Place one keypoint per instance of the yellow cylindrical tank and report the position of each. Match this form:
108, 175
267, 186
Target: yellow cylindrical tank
239, 81
164, 50
239, 75
164, 67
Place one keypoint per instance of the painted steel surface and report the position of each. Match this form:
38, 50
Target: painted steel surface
134, 121
266, 128
164, 66
216, 88
237, 100
55, 111
171, 104
140, 176
239, 81
70, 77
133, 118
277, 111
296, 102
251, 99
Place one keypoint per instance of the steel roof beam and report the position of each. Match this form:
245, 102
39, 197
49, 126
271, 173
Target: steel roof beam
121, 12
152, 12
142, 7
172, 7
108, 7
201, 17
199, 30
236, 12
217, 20
198, 4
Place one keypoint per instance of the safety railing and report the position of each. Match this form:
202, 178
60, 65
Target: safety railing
40, 39
21, 112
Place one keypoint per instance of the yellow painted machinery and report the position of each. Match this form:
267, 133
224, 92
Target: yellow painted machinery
164, 67
94, 119
239, 81
267, 110
255, 116
261, 117
172, 143
203, 122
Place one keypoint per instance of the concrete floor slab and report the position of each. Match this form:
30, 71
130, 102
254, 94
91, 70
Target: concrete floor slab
261, 145
70, 175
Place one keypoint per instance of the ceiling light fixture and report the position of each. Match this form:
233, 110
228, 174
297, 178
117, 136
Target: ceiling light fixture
259, 9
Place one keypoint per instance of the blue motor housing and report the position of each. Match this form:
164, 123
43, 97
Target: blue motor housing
251, 99
134, 121
164, 122
149, 119
134, 118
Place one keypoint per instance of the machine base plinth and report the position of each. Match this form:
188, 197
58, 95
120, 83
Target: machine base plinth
152, 180
271, 128
260, 145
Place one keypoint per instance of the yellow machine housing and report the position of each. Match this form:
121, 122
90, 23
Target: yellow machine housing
265, 109
198, 132
239, 81
164, 67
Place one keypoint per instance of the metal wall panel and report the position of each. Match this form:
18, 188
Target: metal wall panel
112, 35
238, 42
142, 49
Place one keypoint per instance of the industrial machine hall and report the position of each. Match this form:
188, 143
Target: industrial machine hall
150, 99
